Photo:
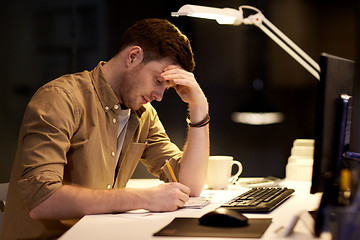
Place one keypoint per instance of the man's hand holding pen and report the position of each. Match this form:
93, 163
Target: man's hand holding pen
166, 197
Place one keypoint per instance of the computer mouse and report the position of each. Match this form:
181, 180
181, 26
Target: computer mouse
223, 217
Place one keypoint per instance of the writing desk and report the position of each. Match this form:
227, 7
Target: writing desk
142, 225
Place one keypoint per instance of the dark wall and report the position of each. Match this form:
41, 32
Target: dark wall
43, 39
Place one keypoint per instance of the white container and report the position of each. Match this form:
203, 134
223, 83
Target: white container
300, 163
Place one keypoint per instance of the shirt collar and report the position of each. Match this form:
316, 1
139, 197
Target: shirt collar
105, 93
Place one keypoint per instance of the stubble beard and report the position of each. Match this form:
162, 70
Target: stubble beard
125, 88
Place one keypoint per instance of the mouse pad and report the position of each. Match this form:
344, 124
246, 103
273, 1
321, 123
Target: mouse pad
190, 227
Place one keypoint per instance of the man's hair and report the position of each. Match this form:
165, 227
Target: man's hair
159, 39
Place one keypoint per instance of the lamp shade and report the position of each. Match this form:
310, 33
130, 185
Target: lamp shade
221, 15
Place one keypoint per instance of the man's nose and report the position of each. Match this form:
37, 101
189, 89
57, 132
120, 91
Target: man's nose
158, 94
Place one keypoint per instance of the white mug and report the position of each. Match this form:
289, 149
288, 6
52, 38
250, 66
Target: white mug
219, 171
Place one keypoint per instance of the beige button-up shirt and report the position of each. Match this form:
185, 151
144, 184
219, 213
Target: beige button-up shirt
69, 136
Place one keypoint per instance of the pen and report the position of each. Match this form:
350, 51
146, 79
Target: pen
352, 155
171, 171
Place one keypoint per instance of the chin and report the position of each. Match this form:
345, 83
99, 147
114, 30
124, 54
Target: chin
135, 107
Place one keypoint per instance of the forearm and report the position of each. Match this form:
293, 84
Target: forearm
193, 166
73, 202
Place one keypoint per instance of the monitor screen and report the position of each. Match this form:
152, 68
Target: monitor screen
332, 117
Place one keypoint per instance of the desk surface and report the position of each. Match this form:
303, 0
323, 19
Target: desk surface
142, 225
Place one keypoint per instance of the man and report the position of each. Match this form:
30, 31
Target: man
83, 135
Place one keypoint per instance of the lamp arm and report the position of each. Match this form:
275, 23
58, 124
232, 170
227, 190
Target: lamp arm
311, 61
284, 42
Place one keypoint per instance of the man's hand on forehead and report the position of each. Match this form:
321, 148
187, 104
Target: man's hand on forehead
170, 74
173, 73
185, 85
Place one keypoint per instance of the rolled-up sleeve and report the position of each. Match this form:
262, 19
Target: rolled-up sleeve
48, 124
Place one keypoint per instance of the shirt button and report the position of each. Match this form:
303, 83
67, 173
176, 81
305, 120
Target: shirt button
108, 186
114, 120
107, 108
116, 106
113, 154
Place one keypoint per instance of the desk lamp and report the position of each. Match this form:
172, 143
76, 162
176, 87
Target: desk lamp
235, 17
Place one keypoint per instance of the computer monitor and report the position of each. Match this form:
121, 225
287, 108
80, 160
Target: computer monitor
332, 134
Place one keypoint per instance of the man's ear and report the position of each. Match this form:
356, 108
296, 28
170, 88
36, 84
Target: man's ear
135, 56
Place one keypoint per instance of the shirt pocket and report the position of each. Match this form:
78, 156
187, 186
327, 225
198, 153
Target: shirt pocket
130, 161
135, 151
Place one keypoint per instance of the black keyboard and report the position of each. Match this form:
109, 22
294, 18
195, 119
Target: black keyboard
259, 200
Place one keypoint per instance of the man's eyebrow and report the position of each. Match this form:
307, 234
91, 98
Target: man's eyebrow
167, 84
170, 84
